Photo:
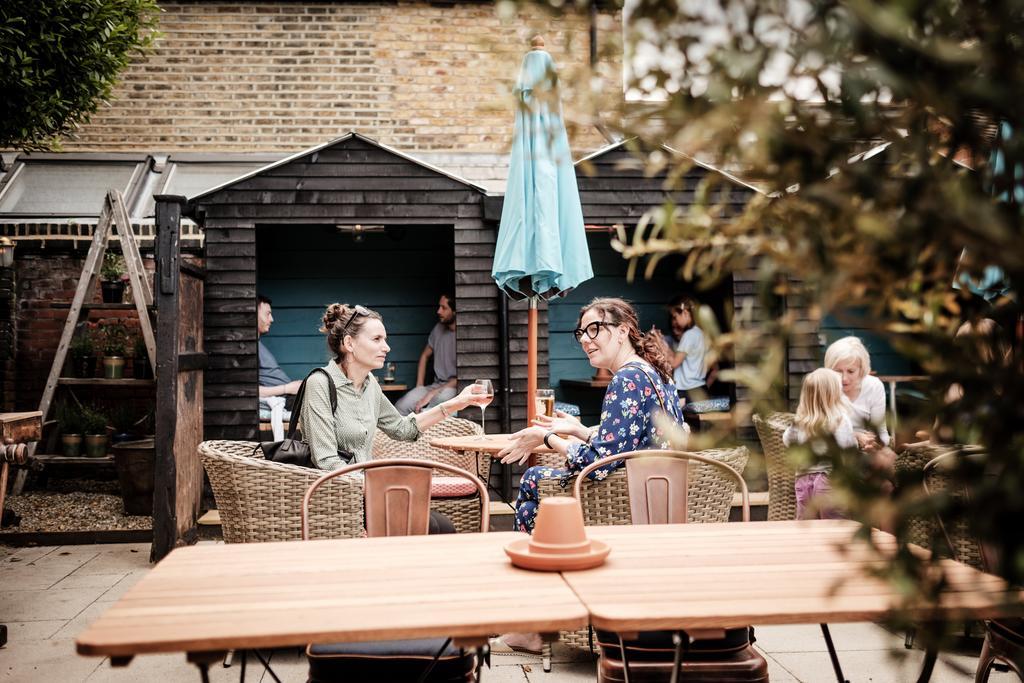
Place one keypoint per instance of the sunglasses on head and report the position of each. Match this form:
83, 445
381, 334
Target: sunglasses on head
591, 330
357, 310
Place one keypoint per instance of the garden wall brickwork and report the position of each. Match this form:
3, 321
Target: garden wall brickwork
45, 283
285, 76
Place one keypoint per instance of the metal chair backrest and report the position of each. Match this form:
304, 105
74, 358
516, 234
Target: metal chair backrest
658, 482
397, 495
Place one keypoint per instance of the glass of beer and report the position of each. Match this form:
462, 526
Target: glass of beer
545, 402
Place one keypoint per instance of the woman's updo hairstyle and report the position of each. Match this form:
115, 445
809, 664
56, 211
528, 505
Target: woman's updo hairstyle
340, 321
650, 346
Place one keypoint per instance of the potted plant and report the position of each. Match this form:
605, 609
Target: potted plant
82, 351
141, 367
136, 472
114, 340
69, 420
94, 425
112, 278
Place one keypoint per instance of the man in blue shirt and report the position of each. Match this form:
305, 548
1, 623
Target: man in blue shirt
273, 380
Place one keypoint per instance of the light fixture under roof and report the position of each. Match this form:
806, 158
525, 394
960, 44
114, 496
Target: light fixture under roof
358, 231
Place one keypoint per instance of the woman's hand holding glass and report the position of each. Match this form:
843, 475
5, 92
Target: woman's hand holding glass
474, 395
523, 444
563, 424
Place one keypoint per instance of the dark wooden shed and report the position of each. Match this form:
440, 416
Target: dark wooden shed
350, 181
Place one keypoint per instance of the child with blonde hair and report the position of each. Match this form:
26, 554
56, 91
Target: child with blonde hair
821, 414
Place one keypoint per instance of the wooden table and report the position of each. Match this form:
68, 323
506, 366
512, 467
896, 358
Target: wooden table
491, 444
718, 576
213, 598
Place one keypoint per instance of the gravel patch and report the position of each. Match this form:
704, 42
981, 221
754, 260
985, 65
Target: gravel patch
73, 505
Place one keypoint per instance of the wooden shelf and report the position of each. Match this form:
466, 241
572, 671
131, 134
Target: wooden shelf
101, 382
53, 459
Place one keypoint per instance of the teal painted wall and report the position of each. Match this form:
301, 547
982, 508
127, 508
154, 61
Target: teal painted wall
884, 359
399, 274
649, 297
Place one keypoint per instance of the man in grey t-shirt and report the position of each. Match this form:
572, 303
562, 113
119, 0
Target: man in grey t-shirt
273, 380
440, 345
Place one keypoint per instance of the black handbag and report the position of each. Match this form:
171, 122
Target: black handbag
292, 451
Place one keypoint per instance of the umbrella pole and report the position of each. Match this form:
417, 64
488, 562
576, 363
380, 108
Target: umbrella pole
531, 363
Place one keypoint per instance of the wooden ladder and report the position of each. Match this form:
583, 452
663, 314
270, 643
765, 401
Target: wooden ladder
113, 215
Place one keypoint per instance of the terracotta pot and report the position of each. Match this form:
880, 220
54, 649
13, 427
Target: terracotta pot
112, 292
136, 470
95, 445
71, 445
113, 367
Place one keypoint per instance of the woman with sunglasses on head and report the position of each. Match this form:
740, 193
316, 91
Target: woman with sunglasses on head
641, 386
358, 344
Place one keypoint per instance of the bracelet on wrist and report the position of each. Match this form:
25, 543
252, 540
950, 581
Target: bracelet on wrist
444, 410
547, 440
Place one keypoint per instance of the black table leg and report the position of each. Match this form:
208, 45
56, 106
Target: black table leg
930, 655
832, 654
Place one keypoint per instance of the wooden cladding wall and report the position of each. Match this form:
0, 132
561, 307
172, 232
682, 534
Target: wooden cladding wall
614, 188
352, 181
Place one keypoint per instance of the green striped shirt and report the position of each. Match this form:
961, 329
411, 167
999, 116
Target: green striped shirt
352, 426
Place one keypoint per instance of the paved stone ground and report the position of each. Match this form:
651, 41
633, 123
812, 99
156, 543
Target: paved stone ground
48, 595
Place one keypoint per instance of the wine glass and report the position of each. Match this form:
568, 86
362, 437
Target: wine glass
483, 386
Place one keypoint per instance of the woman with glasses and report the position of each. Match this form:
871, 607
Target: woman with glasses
641, 386
358, 344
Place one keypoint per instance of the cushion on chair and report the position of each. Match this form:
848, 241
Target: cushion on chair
657, 645
451, 487
388, 660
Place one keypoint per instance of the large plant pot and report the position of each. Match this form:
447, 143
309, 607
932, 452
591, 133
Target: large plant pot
71, 445
135, 464
95, 445
113, 367
112, 292
84, 367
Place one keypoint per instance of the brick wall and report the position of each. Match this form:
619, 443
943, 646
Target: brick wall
41, 281
284, 76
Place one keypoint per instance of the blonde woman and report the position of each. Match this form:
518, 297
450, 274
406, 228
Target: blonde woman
866, 393
822, 414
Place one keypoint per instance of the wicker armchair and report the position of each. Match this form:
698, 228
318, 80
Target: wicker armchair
261, 501
606, 503
463, 512
781, 475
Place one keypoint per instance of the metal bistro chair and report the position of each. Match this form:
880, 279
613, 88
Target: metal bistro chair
397, 501
607, 503
1004, 638
659, 488
781, 475
453, 497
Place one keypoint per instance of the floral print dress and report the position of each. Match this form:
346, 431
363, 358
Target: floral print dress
627, 424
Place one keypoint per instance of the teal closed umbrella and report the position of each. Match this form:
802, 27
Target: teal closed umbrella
542, 246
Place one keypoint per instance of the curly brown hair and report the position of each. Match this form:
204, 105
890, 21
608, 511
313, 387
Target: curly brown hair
343, 320
650, 346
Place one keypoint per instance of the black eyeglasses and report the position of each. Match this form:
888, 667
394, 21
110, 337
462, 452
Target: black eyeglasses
591, 330
357, 310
